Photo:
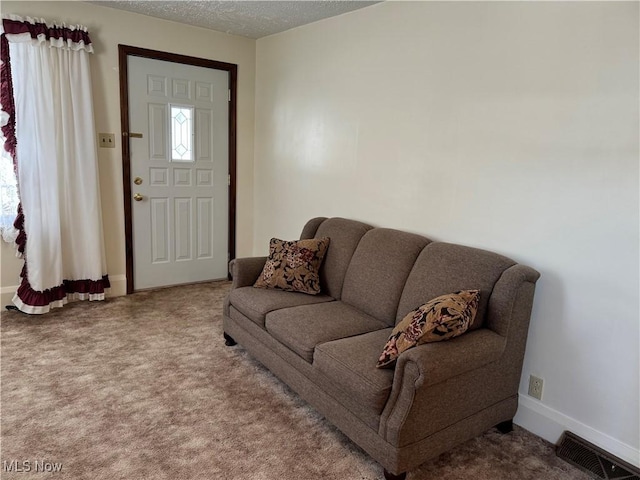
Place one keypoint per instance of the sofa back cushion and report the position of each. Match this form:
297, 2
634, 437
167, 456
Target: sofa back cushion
344, 237
311, 227
378, 271
442, 268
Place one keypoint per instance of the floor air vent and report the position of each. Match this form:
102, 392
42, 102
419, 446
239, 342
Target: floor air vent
593, 460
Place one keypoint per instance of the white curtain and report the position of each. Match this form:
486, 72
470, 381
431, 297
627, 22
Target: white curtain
57, 168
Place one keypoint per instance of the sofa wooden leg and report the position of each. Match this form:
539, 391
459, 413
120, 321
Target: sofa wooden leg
391, 476
228, 341
505, 427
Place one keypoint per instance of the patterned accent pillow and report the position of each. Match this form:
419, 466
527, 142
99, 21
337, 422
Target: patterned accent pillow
294, 266
441, 318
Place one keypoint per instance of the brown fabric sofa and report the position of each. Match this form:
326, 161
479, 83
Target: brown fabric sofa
325, 347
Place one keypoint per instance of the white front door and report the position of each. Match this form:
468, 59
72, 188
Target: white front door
179, 172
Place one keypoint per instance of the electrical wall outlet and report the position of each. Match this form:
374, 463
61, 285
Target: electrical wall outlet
535, 387
107, 140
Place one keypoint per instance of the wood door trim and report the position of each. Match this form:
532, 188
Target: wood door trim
125, 51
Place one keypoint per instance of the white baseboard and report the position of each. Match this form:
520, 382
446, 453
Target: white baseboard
549, 424
118, 288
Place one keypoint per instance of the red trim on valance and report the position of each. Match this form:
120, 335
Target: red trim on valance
6, 99
75, 35
90, 287
18, 224
9, 130
39, 299
33, 298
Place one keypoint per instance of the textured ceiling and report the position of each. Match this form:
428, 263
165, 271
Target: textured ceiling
253, 19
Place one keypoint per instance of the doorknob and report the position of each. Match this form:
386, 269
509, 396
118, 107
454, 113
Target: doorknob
137, 197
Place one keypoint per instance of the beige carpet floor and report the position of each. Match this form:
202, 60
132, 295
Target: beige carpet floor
142, 387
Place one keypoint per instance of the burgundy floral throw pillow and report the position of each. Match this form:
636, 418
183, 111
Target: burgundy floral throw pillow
442, 318
294, 266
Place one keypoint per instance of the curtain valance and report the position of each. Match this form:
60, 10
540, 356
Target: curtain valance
36, 30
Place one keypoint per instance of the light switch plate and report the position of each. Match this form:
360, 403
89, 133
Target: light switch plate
107, 140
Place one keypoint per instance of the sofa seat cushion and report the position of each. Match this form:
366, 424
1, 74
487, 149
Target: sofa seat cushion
255, 303
351, 365
302, 328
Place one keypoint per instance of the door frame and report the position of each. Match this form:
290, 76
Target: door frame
125, 51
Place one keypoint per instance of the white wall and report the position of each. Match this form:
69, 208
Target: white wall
109, 27
511, 126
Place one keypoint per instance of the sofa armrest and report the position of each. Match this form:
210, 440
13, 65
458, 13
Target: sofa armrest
436, 367
439, 361
245, 271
